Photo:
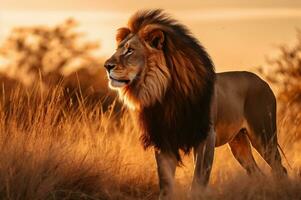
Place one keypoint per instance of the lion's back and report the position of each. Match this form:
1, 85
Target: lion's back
243, 84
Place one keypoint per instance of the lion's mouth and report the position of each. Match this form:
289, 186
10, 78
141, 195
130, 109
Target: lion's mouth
120, 80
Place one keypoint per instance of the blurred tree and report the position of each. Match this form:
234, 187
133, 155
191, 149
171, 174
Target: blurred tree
54, 54
285, 73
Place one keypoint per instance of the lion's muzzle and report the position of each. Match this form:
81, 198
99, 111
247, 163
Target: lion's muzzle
109, 65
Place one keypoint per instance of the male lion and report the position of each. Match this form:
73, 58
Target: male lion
164, 74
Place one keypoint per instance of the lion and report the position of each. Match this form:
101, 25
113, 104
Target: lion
166, 77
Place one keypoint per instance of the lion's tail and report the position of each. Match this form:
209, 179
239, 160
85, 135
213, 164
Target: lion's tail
282, 152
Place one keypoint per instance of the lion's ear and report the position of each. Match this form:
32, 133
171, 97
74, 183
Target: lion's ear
121, 34
153, 35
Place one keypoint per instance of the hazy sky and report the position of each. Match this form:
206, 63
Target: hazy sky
133, 5
238, 34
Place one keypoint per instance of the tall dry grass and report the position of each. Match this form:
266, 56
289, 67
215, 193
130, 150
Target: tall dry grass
52, 148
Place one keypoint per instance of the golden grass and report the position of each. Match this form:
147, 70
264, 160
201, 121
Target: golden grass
52, 148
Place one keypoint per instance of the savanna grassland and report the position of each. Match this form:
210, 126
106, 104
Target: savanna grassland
62, 136
53, 148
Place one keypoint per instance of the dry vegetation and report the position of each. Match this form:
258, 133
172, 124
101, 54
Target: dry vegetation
51, 149
58, 145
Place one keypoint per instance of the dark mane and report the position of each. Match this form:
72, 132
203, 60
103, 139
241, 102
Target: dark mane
181, 119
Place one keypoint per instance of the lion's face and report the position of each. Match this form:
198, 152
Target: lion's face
126, 64
138, 69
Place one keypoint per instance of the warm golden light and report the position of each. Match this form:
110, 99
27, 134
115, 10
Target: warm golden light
64, 134
235, 34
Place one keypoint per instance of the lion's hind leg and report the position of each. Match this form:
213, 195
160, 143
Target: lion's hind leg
260, 114
241, 149
268, 149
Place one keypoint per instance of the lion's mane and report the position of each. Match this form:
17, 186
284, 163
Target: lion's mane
176, 93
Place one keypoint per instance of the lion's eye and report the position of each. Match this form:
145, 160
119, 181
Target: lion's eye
129, 51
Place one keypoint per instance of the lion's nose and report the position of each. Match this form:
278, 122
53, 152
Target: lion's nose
109, 66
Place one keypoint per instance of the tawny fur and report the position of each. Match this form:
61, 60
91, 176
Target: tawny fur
163, 73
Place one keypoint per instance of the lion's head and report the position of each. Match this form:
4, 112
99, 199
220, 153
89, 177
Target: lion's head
138, 68
149, 51
160, 67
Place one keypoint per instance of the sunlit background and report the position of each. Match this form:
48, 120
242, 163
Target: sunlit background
63, 135
237, 34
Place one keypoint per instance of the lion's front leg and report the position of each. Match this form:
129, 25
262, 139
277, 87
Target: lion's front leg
166, 164
203, 158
